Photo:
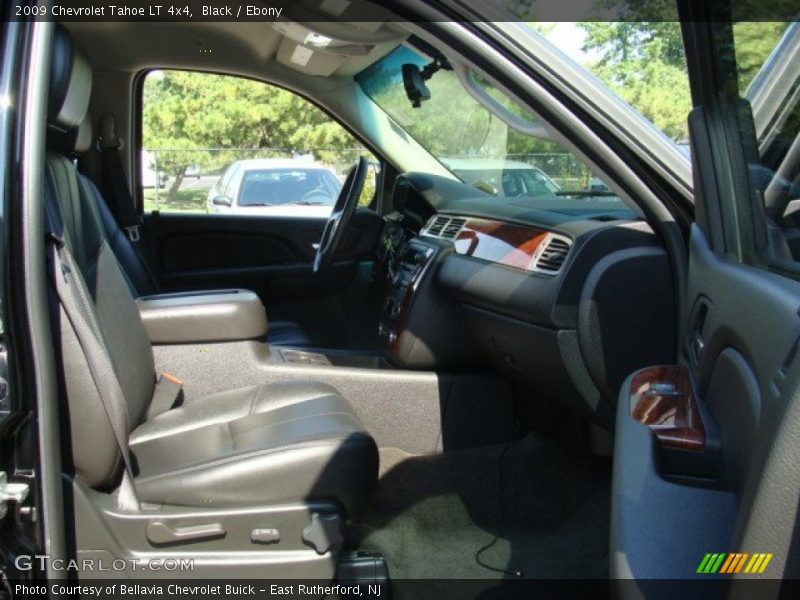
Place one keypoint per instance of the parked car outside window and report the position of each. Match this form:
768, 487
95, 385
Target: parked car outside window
275, 187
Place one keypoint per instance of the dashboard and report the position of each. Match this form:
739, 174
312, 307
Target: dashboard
566, 304
520, 246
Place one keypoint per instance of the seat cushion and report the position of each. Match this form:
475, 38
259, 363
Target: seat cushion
259, 445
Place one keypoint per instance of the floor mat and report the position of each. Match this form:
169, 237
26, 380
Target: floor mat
432, 514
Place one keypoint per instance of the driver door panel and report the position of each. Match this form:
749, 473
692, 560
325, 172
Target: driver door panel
270, 256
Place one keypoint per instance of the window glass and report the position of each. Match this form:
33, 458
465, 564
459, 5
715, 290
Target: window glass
754, 43
481, 149
223, 144
767, 58
268, 187
642, 61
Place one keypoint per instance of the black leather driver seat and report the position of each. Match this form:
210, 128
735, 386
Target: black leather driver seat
286, 442
138, 275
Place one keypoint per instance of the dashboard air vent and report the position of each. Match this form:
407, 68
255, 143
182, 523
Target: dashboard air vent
551, 254
444, 227
453, 227
436, 227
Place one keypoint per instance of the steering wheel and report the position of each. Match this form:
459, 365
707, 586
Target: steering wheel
342, 213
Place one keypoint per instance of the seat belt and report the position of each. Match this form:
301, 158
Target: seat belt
74, 297
168, 395
115, 185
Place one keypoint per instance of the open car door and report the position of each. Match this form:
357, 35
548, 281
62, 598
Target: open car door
706, 476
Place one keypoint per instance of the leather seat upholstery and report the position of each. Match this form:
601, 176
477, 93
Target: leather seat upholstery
139, 277
288, 442
209, 451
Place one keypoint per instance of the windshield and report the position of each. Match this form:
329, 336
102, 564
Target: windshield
288, 186
481, 149
508, 181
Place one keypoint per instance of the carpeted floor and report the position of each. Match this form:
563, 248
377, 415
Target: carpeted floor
432, 514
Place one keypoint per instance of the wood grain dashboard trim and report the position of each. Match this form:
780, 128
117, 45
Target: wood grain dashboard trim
662, 398
504, 243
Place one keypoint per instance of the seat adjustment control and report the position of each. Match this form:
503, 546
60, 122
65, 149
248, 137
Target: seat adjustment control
265, 536
163, 533
323, 532
15, 493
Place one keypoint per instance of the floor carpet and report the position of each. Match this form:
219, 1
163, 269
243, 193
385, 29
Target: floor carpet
432, 514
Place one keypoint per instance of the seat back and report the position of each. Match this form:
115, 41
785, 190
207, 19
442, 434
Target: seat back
140, 280
95, 452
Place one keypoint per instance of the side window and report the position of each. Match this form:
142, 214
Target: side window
767, 61
228, 145
639, 59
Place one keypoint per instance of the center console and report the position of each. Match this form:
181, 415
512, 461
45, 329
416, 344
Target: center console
204, 316
404, 272
418, 325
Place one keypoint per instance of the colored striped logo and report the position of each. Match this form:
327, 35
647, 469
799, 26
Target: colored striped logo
734, 562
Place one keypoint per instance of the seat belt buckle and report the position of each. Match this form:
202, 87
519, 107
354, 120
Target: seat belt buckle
171, 378
168, 394
133, 233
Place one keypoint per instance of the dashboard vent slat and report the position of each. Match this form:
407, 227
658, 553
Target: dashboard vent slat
453, 227
437, 226
444, 227
551, 254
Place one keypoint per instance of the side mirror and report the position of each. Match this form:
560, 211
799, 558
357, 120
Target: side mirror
221, 200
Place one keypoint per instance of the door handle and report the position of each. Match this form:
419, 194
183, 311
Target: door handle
697, 346
159, 532
695, 340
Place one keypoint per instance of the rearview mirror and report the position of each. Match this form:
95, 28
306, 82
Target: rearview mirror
221, 200
414, 82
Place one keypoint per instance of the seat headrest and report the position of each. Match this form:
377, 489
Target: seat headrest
83, 136
72, 142
70, 82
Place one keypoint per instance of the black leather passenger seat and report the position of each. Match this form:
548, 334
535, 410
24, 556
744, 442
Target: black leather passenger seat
288, 442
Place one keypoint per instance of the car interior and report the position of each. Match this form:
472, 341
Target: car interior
434, 386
